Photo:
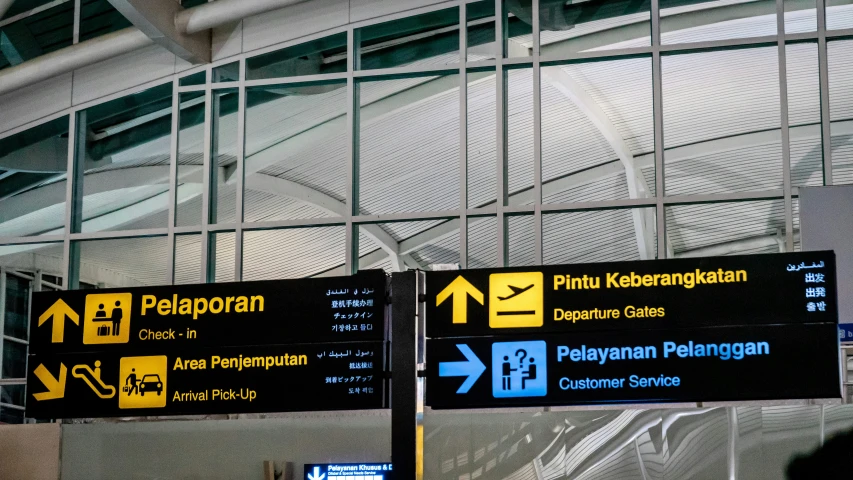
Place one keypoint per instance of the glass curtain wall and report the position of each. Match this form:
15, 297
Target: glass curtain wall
530, 127
16, 288
545, 132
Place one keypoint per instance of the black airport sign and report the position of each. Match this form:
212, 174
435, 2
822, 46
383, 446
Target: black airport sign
332, 309
682, 365
657, 294
279, 378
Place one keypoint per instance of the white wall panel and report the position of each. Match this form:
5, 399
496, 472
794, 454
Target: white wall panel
293, 22
365, 9
123, 72
34, 102
227, 40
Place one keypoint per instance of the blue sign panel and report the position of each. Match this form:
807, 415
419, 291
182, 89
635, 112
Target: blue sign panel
733, 328
845, 332
519, 369
348, 471
729, 363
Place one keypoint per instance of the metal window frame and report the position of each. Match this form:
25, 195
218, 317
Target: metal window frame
34, 283
501, 210
2, 315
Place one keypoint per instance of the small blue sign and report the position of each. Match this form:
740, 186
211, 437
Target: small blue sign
519, 369
348, 471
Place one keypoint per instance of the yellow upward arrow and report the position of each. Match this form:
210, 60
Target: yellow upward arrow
59, 310
459, 289
55, 388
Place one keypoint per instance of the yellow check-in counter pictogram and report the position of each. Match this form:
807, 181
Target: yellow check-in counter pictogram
107, 318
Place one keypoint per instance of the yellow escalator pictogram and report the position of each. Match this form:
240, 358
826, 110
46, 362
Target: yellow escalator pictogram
85, 373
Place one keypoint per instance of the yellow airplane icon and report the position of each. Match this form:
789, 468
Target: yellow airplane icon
516, 299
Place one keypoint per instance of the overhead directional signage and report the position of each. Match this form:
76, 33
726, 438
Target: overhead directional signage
196, 316
471, 368
216, 380
56, 314
700, 329
679, 365
747, 290
459, 290
53, 386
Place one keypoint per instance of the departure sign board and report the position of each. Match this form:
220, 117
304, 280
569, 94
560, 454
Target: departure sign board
333, 309
709, 329
736, 290
255, 379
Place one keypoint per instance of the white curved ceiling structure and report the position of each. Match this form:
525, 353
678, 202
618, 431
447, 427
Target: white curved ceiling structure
721, 134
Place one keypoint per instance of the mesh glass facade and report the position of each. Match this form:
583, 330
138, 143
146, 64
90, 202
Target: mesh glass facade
483, 134
397, 135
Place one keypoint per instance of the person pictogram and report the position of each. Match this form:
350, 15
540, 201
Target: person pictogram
507, 370
115, 316
529, 374
101, 316
131, 383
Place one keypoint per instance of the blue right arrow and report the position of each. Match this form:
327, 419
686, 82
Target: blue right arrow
473, 368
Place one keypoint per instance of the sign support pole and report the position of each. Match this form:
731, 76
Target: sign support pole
404, 391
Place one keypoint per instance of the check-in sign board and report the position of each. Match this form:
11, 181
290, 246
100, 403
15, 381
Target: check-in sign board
254, 379
680, 365
196, 316
736, 290
248, 347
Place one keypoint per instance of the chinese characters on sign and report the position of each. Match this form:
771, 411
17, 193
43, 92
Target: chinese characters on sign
815, 284
352, 304
209, 349
712, 329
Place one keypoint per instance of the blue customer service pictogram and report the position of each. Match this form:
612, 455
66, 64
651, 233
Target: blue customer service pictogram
519, 369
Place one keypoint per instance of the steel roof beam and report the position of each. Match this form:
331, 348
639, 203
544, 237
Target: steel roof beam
281, 186
35, 259
637, 187
156, 18
71, 58
155, 26
220, 12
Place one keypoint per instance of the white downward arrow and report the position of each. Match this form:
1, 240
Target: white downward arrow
317, 475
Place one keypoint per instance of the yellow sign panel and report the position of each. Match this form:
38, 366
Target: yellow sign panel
516, 299
143, 382
107, 318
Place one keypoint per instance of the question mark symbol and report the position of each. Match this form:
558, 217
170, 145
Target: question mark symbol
522, 353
